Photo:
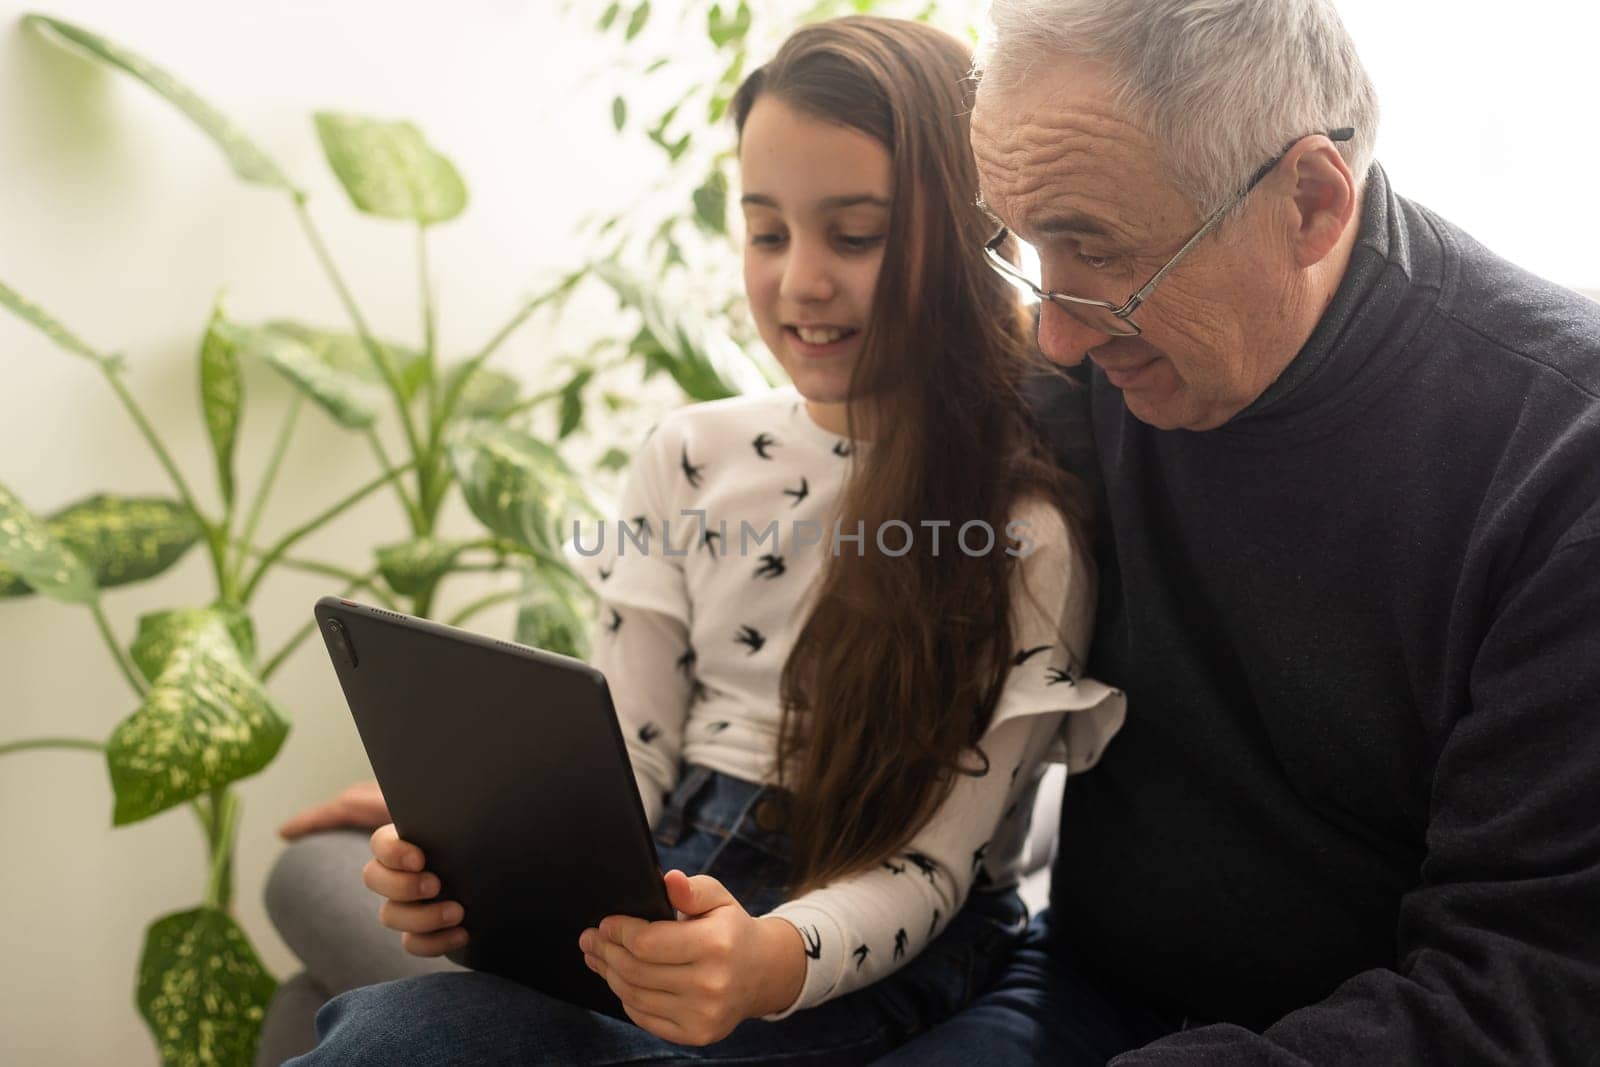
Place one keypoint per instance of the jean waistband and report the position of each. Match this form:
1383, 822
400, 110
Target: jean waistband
723, 804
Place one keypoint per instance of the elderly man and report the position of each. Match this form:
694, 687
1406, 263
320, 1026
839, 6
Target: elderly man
1350, 571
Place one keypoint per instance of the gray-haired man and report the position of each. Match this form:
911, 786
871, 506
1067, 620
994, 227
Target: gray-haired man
1350, 577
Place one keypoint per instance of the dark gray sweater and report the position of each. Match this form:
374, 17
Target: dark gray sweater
1355, 811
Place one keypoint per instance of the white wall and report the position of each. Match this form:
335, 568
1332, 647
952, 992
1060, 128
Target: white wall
122, 219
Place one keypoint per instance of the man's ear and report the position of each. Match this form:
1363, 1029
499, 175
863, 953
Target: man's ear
1324, 196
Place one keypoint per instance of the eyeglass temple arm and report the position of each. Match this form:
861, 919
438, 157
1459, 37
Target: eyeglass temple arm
1344, 133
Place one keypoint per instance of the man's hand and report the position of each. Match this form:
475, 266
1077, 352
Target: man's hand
694, 980
360, 807
427, 927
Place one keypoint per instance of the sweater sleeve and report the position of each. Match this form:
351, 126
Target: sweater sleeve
641, 633
866, 926
1498, 947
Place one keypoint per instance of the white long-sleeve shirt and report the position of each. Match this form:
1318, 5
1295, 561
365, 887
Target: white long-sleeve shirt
698, 614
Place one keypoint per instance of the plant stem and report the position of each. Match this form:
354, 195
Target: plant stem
127, 668
429, 338
155, 443
279, 448
483, 604
379, 353
225, 818
51, 742
413, 512
312, 526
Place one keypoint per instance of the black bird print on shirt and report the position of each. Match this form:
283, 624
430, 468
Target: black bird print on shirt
686, 662
842, 450
799, 494
750, 637
690, 470
1016, 771
861, 953
605, 572
763, 442
895, 868
1059, 676
616, 622
642, 525
900, 943
1028, 653
716, 727
708, 541
649, 732
771, 567
978, 856
923, 864
699, 692
813, 941
1011, 812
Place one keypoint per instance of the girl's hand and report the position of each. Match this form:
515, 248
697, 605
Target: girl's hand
692, 981
427, 927
361, 806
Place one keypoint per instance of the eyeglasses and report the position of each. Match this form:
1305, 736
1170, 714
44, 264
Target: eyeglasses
1102, 316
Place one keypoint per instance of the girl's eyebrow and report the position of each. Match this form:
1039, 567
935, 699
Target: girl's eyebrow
828, 203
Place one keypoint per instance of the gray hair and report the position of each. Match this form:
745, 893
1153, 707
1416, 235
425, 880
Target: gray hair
1222, 85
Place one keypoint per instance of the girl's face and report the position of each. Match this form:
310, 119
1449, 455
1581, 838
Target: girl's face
816, 212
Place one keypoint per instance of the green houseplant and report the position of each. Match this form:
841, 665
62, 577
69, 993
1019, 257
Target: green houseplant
204, 718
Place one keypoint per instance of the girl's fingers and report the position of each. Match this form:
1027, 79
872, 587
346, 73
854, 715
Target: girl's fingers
389, 850
434, 944
663, 978
420, 918
399, 885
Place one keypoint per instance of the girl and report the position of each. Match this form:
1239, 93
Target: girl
842, 623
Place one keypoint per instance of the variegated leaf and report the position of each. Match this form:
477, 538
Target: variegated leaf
46, 324
39, 558
246, 158
488, 393
221, 397
203, 991
389, 170
515, 484
122, 539
412, 567
345, 352
340, 394
162, 632
206, 722
550, 617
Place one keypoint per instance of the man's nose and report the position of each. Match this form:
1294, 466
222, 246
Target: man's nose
1064, 339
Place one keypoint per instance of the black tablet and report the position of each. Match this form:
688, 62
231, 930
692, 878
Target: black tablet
506, 766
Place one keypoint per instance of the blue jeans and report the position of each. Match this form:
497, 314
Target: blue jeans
709, 826
1042, 1009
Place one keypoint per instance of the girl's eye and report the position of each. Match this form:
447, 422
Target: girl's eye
766, 240
860, 244
1094, 262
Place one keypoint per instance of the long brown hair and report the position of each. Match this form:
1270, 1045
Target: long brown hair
894, 676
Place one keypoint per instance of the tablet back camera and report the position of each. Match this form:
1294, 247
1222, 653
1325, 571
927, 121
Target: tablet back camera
339, 641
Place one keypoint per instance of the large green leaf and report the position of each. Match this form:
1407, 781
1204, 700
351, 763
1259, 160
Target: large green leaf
164, 632
389, 170
221, 397
338, 393
122, 539
489, 393
706, 364
206, 722
724, 29
346, 353
413, 567
41, 560
517, 486
202, 989
246, 158
711, 204
550, 617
